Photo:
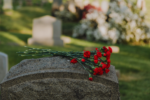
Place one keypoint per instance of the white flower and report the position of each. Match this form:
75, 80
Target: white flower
113, 35
97, 34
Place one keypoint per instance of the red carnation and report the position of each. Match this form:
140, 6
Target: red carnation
100, 71
104, 65
96, 71
108, 65
91, 79
73, 61
108, 61
108, 55
105, 49
104, 54
83, 60
96, 48
95, 57
87, 54
99, 54
110, 49
107, 70
95, 61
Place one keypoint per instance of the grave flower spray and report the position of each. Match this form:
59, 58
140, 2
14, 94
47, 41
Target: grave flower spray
97, 60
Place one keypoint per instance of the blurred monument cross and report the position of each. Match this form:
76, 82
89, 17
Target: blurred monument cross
7, 4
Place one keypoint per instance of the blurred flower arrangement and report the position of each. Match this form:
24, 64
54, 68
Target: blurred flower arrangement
98, 61
124, 22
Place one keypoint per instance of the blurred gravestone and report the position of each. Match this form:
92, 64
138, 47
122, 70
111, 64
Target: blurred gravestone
56, 6
46, 31
3, 65
105, 6
7, 4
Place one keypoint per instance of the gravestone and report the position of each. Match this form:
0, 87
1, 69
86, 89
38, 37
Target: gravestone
46, 31
7, 4
3, 65
55, 78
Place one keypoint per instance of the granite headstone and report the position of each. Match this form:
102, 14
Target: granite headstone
7, 4
3, 65
55, 78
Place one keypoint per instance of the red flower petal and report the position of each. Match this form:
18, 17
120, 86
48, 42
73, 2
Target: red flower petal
95, 57
95, 61
105, 49
99, 54
100, 71
108, 61
104, 66
107, 70
87, 54
104, 54
83, 60
108, 65
91, 79
73, 61
94, 73
110, 49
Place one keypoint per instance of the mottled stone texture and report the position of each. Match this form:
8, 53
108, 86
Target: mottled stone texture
55, 78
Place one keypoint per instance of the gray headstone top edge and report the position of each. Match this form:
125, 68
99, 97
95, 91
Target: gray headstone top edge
3, 54
52, 19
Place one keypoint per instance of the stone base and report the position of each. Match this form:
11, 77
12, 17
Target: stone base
48, 42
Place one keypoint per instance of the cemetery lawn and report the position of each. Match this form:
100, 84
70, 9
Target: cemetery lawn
132, 61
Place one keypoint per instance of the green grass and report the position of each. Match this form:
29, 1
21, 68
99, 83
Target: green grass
132, 61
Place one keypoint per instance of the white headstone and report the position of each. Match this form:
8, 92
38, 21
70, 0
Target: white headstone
105, 6
3, 65
46, 31
7, 4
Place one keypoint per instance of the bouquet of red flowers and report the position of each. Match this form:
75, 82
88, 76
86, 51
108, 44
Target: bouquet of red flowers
94, 59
